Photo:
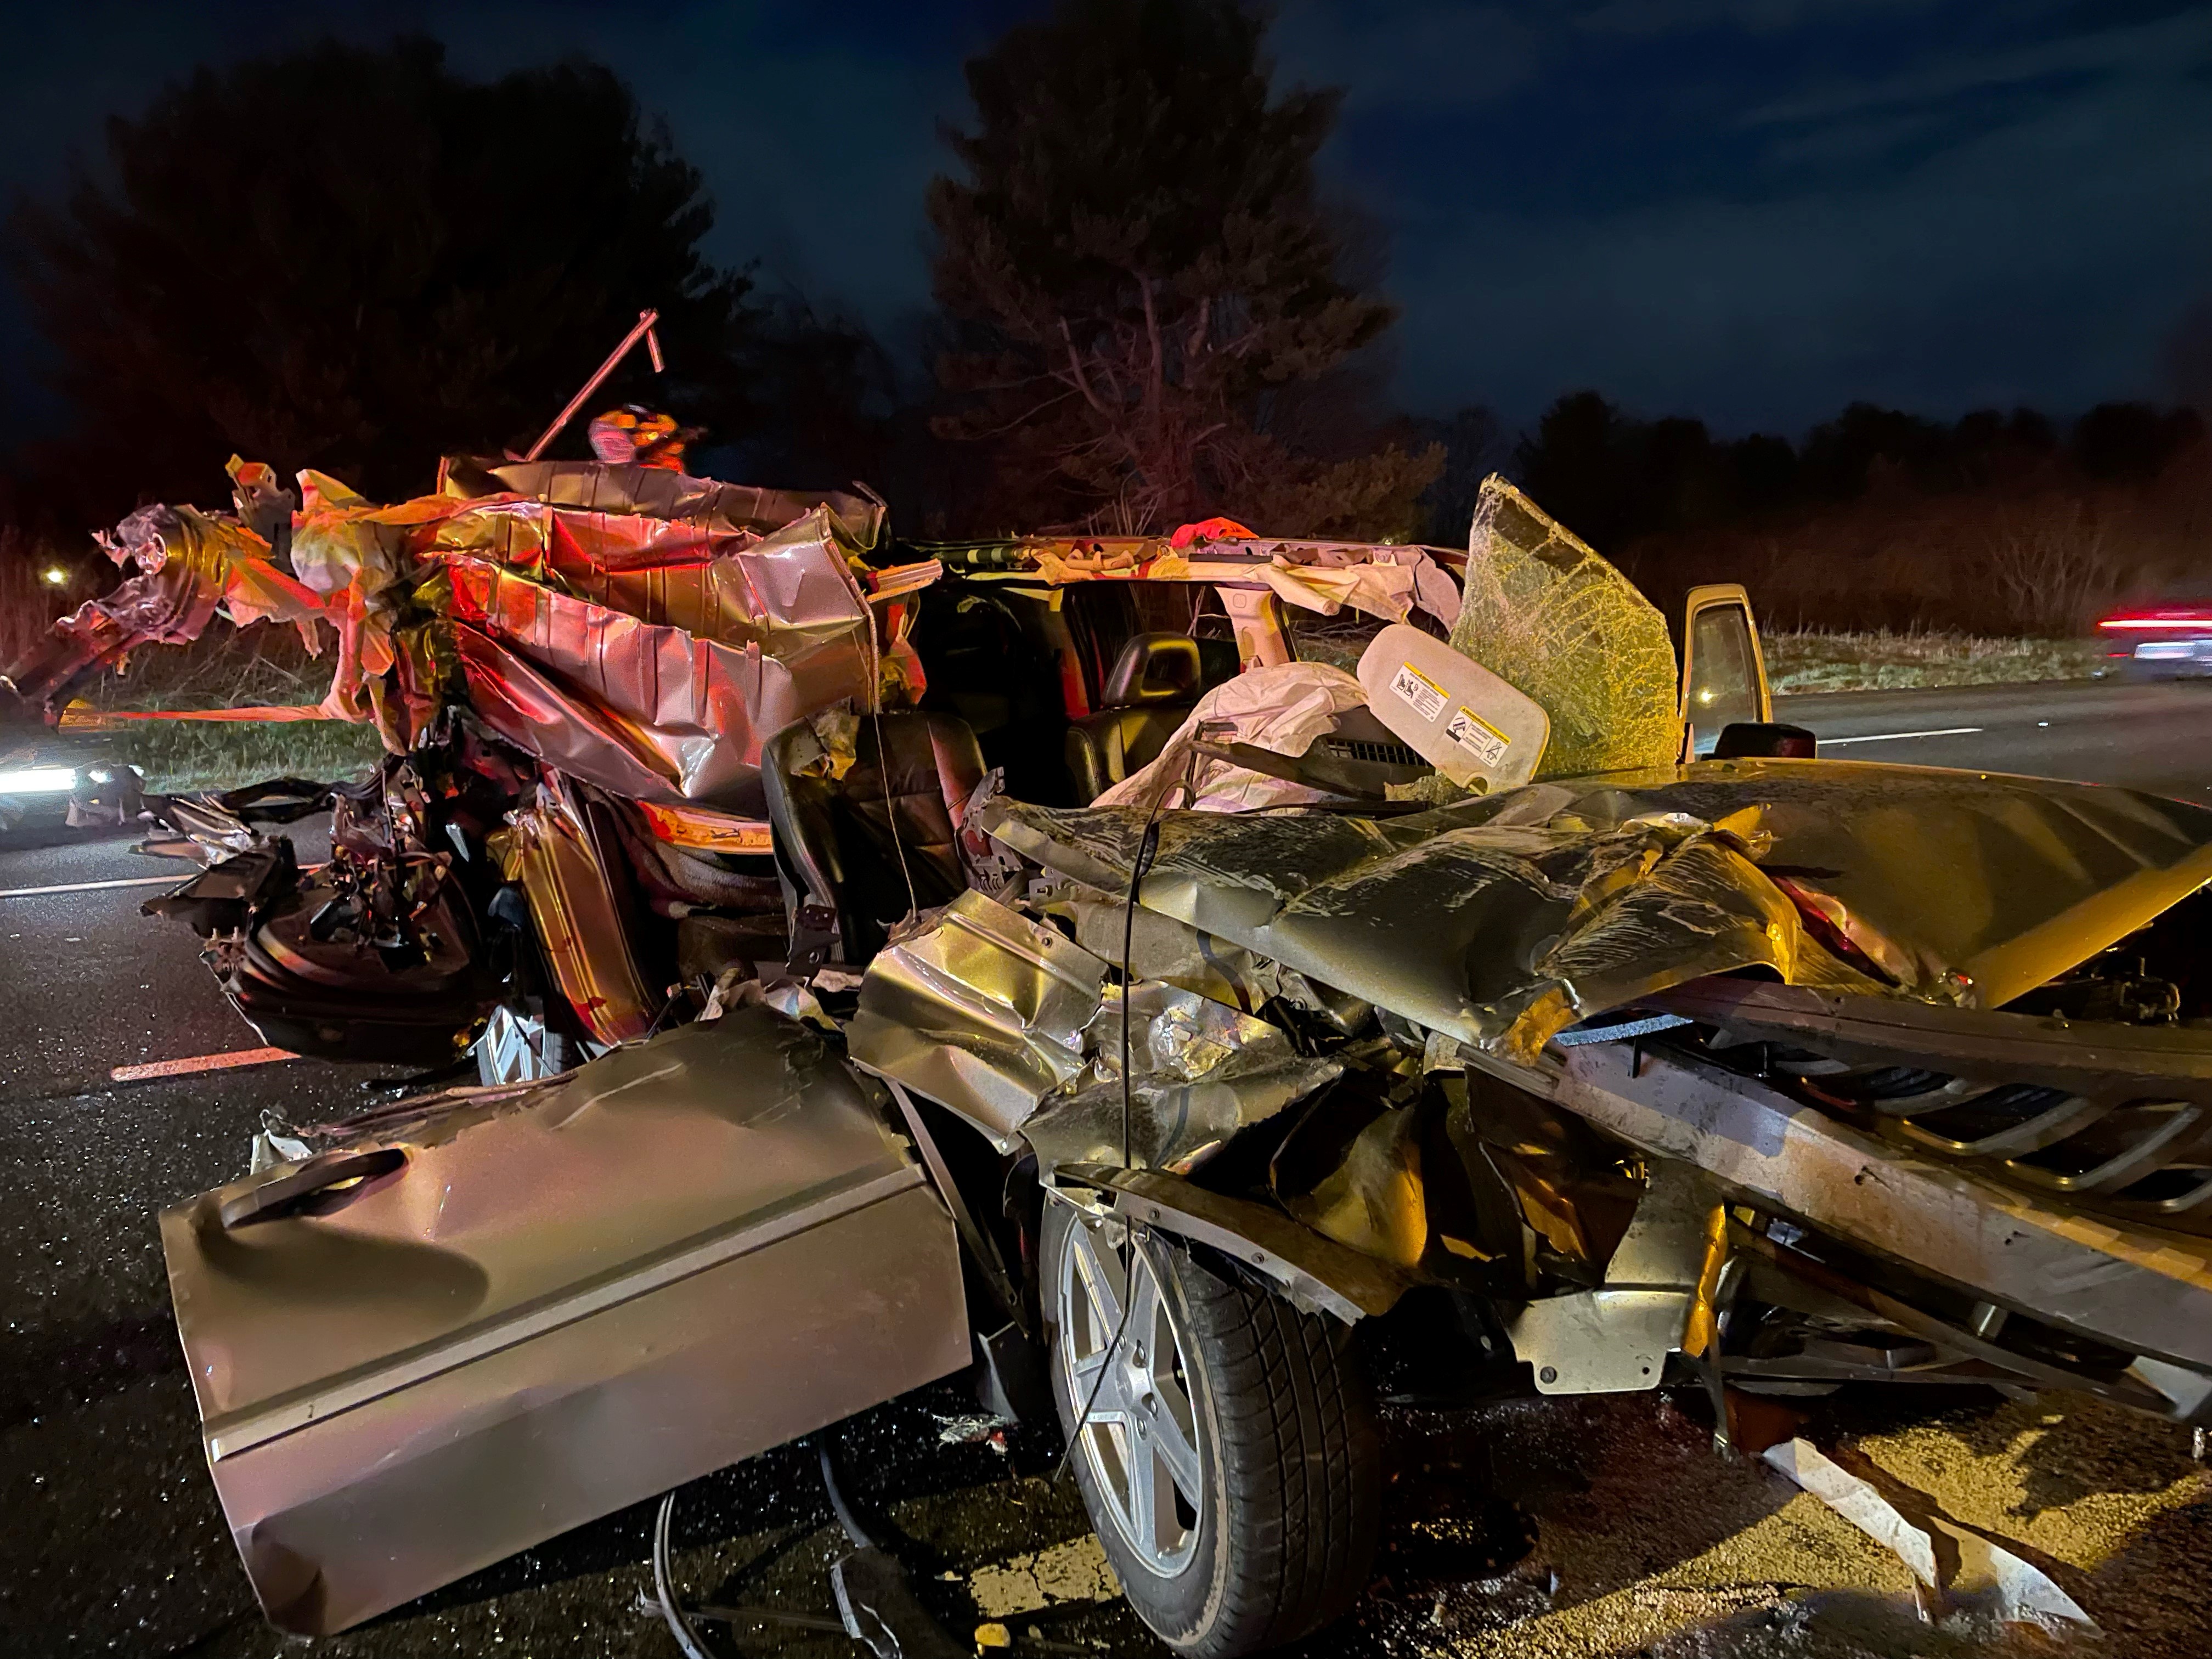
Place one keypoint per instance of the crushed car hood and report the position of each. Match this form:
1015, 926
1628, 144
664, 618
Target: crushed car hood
1502, 921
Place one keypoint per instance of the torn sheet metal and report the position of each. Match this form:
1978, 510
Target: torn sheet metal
341, 540
1163, 949
564, 855
1006, 1022
188, 565
448, 1338
1502, 921
1282, 708
640, 630
1361, 1184
791, 593
1541, 610
1200, 1071
984, 1012
652, 713
2140, 1292
1500, 935
1316, 1275
1615, 1339
223, 556
661, 493
1963, 1571
1572, 1192
1461, 1180
658, 673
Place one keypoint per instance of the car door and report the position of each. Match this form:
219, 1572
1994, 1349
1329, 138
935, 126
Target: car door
453, 1335
1723, 670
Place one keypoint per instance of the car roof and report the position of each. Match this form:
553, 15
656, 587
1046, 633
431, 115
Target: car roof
1236, 561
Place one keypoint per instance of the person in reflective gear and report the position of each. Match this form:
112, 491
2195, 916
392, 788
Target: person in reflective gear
635, 433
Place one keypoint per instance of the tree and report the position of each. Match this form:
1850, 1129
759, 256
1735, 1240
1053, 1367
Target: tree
1139, 269
1475, 445
355, 259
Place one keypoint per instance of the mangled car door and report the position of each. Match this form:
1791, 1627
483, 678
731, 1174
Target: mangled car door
452, 1336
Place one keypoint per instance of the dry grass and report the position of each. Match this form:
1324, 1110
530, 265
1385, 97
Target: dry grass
1881, 661
176, 756
232, 668
226, 668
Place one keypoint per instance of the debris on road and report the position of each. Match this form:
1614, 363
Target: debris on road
1075, 1572
1964, 1573
975, 1429
193, 1064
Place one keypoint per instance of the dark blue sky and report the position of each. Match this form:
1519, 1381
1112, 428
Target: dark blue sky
1751, 210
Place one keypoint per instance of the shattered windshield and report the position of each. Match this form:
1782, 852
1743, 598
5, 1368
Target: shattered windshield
1543, 611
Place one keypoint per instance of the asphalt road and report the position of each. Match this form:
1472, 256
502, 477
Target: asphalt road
1597, 1527
2154, 736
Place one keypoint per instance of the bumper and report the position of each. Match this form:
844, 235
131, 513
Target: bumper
2145, 1292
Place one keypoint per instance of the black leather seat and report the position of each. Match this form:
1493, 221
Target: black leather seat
1155, 683
835, 840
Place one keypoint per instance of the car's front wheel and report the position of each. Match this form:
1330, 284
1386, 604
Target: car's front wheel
1229, 1457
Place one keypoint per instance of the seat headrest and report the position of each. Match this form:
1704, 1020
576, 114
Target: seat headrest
1154, 668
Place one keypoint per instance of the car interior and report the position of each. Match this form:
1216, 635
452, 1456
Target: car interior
857, 852
1154, 685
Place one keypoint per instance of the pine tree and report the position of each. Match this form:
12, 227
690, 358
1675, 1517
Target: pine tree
354, 260
1137, 270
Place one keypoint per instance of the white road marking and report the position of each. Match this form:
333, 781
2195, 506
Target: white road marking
1893, 737
199, 1063
92, 886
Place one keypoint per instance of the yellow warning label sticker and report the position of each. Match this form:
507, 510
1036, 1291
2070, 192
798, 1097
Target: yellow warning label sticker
1478, 736
1417, 690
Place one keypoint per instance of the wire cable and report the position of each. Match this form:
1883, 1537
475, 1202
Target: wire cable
882, 761
843, 1509
1148, 849
890, 814
672, 1611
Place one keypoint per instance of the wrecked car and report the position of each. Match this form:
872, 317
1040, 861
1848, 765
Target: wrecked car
1525, 1008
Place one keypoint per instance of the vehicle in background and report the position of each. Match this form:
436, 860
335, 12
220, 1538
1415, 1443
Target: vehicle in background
50, 781
2159, 642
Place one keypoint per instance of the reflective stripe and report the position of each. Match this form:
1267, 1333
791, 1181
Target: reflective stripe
199, 1063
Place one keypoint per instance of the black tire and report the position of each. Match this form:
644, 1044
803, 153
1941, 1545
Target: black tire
1291, 1462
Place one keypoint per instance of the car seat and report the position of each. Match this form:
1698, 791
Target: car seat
1155, 683
847, 847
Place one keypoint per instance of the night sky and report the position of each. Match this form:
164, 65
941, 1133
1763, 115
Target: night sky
1750, 210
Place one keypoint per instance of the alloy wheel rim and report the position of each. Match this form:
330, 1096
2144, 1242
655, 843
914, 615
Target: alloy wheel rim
1142, 1439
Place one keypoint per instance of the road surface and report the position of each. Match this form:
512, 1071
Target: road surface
2156, 737
1568, 1529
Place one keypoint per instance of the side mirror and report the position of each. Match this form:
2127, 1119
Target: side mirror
1723, 672
1753, 739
